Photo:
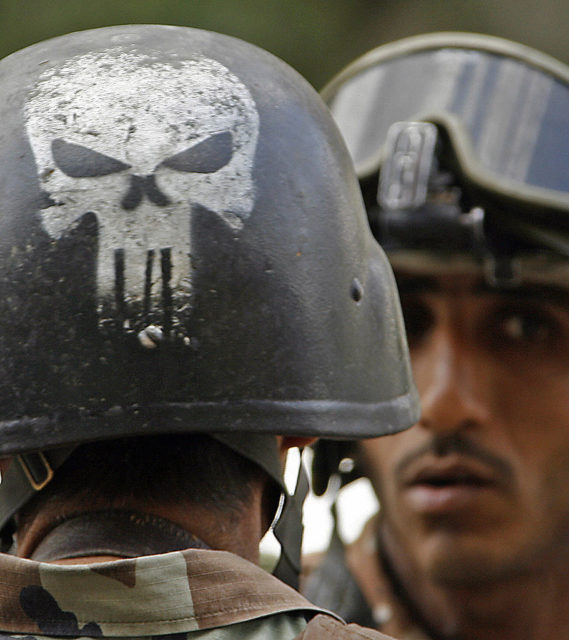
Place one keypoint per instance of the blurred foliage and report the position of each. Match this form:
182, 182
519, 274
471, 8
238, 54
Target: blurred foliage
317, 37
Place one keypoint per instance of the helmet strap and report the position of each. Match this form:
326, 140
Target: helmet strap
288, 530
27, 474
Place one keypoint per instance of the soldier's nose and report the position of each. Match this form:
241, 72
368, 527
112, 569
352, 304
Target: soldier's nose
452, 395
141, 186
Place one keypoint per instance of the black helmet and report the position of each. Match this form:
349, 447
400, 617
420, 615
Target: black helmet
461, 145
183, 247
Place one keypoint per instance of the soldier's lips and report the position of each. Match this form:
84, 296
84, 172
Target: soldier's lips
443, 485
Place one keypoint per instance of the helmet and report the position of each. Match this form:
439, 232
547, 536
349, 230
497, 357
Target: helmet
183, 248
461, 145
471, 134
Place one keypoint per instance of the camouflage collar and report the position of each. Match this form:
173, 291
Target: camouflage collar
153, 595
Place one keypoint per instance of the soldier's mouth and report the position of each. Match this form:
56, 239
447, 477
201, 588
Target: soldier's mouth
441, 486
454, 476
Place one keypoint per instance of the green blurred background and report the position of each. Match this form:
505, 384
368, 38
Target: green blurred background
317, 37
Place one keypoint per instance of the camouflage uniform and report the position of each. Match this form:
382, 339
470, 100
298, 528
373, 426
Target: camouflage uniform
352, 581
205, 594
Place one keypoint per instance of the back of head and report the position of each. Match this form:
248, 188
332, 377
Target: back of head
183, 248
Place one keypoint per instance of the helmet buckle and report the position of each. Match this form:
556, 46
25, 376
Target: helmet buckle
37, 469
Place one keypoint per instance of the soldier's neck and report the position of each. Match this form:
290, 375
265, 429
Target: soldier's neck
533, 606
107, 534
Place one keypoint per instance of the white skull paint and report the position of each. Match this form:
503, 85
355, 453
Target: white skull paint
137, 142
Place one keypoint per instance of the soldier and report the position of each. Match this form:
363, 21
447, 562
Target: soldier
461, 144
188, 287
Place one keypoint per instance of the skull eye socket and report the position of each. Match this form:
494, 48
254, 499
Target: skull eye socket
78, 161
207, 156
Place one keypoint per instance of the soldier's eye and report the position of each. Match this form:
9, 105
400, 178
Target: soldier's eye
77, 161
207, 156
527, 326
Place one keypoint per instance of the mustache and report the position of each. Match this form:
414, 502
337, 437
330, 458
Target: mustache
443, 445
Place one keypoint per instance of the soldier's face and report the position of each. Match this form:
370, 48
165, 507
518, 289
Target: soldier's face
478, 489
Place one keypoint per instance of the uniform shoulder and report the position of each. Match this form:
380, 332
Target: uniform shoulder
323, 626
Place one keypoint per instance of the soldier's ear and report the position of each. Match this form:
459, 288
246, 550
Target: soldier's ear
4, 464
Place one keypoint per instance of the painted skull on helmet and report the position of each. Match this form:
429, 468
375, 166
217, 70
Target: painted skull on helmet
138, 142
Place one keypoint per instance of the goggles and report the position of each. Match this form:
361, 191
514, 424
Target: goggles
503, 106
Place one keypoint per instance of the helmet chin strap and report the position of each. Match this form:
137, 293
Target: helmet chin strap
27, 474
288, 530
